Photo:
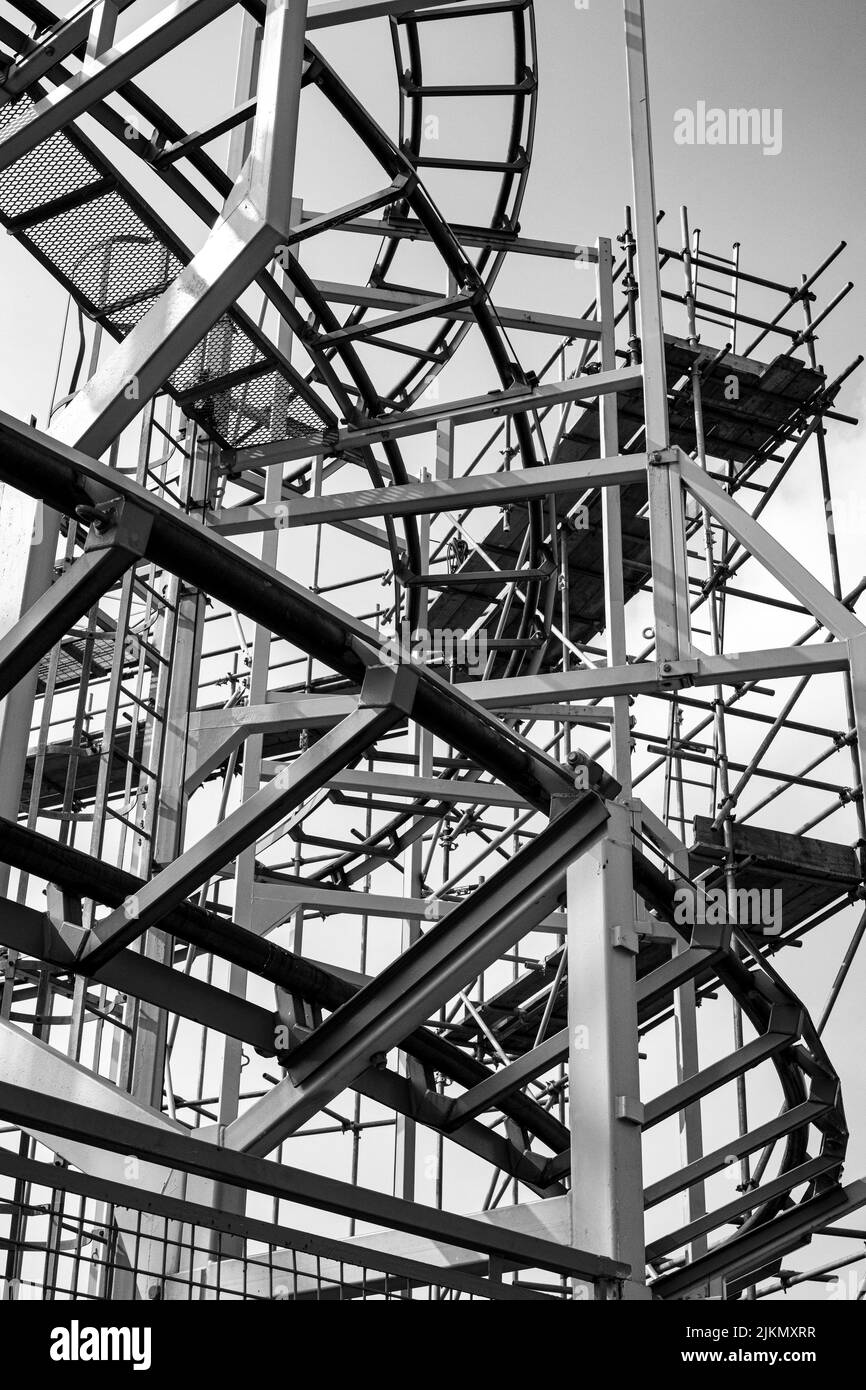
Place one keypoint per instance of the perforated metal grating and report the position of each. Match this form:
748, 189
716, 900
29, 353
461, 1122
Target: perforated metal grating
225, 349
116, 262
258, 411
50, 171
105, 250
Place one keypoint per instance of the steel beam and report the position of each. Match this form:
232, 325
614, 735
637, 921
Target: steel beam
793, 576
424, 977
428, 499
755, 1197
512, 1077
25, 930
67, 478
180, 1151
385, 700
517, 400
783, 1032
548, 1220
53, 46
58, 609
274, 903
410, 302
649, 677
479, 238
325, 14
32, 1068
655, 990
312, 1264
604, 1086
103, 75
745, 1254
857, 667
807, 1113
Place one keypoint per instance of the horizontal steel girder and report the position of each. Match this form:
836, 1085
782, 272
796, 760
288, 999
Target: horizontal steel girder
25, 930
120, 1135
80, 874
65, 479
442, 495
516, 400
653, 677
314, 1260
215, 733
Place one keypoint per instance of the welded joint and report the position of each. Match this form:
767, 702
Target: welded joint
825, 1090
629, 1110
710, 936
63, 924
656, 929
786, 1018
625, 939
118, 523
390, 687
295, 1019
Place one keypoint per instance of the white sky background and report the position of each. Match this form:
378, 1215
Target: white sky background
788, 212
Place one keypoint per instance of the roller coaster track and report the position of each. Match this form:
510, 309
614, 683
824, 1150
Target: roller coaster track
63, 198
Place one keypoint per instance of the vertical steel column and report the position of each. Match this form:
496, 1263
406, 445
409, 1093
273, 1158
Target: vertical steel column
258, 60
858, 754
667, 526
857, 687
405, 1134
246, 81
686, 1020
689, 1064
28, 544
605, 1113
614, 590
271, 63
181, 648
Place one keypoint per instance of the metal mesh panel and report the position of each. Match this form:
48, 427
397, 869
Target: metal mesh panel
69, 665
51, 170
79, 1249
224, 349
105, 250
258, 411
118, 266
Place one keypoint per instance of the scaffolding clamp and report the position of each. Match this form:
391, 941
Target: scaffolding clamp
677, 675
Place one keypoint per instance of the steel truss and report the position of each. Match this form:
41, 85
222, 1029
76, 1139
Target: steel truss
190, 806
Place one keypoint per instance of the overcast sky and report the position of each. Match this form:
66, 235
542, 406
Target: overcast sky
788, 211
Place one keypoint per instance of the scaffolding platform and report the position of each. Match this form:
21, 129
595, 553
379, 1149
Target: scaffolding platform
747, 405
742, 421
810, 874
